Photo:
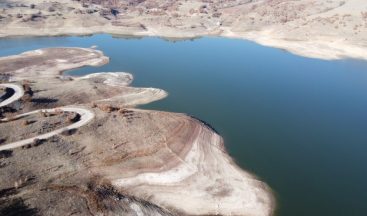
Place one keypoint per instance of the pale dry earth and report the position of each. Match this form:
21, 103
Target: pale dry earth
330, 29
114, 159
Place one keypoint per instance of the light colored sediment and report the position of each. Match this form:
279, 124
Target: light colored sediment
322, 48
49, 62
322, 29
131, 96
45, 66
204, 182
124, 160
110, 78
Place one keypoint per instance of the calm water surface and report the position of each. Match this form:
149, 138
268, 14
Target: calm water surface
300, 124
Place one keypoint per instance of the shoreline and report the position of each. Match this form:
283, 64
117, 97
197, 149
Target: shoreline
337, 50
197, 158
324, 30
317, 49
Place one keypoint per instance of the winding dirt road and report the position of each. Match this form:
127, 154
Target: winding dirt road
85, 117
18, 93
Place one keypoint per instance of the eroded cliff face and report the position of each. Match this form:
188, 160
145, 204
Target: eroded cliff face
121, 160
322, 29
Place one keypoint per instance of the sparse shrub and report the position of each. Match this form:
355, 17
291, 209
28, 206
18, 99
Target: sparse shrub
26, 82
68, 132
11, 116
6, 153
106, 108
44, 113
26, 122
143, 27
122, 110
114, 11
37, 142
18, 183
51, 9
73, 117
26, 98
217, 15
58, 111
22, 181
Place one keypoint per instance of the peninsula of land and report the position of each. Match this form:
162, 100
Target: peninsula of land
78, 146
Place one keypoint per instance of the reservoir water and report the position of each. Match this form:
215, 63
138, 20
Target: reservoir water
299, 124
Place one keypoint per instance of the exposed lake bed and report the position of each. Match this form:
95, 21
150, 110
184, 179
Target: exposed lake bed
297, 123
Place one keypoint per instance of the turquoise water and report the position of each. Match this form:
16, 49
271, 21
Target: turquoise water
299, 124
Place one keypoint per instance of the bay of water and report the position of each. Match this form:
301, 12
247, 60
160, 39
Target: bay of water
299, 124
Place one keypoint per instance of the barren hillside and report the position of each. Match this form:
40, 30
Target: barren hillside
323, 29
